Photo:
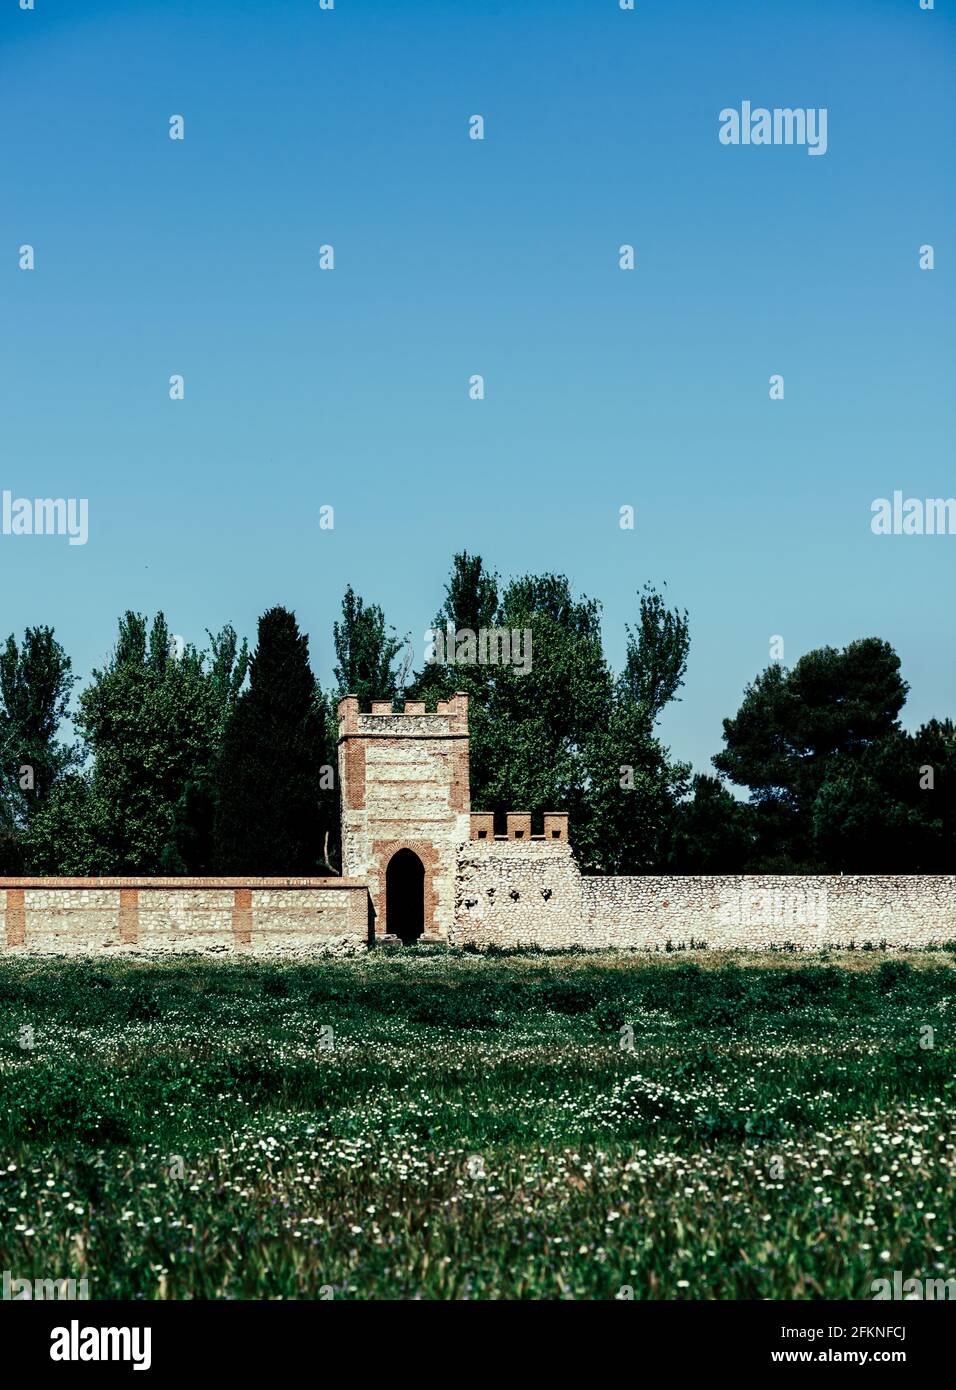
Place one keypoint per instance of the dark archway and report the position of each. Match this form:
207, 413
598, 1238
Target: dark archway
405, 896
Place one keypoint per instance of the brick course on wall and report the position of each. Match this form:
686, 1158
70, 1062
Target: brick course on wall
71, 914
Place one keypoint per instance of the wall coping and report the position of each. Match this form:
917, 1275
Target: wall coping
183, 882
762, 878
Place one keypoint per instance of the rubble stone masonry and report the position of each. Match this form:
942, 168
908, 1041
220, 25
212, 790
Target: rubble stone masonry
511, 893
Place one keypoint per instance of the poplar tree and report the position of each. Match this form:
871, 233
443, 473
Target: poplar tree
150, 722
565, 734
366, 652
35, 685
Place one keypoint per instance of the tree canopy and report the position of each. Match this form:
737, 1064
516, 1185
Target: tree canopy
212, 761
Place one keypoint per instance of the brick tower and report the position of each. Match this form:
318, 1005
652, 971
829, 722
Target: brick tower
405, 809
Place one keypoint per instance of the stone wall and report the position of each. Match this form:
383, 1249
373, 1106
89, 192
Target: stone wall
515, 892
507, 893
181, 914
757, 911
522, 893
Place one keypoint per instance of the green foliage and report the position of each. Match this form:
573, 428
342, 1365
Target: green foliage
835, 784
656, 656
892, 805
530, 726
713, 832
791, 724
559, 736
471, 595
795, 729
629, 800
150, 721
270, 802
35, 686
366, 652
68, 835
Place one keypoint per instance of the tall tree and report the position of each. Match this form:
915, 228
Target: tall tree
713, 832
554, 730
35, 684
471, 595
151, 722
366, 651
632, 789
630, 796
893, 807
793, 727
471, 603
530, 714
193, 846
656, 659
270, 774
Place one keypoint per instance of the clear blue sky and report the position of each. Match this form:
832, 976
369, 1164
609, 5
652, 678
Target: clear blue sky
453, 257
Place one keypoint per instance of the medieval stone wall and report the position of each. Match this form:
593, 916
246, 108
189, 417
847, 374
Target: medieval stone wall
531, 893
512, 892
181, 914
757, 911
507, 893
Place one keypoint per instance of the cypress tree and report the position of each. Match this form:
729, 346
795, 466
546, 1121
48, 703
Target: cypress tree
269, 797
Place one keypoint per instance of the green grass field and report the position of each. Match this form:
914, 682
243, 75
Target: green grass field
437, 1125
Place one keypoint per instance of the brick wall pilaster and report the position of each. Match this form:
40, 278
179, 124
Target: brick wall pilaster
16, 918
242, 917
129, 916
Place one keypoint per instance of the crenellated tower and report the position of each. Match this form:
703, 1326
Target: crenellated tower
405, 809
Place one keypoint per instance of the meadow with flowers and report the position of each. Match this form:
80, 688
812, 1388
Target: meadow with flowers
434, 1124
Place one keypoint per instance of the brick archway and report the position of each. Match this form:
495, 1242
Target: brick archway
384, 852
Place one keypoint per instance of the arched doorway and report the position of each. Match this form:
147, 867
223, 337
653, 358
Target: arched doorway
405, 896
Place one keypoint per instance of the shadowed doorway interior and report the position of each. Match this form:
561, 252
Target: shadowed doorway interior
405, 896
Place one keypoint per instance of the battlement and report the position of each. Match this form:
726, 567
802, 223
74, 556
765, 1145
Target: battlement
406, 812
519, 826
449, 718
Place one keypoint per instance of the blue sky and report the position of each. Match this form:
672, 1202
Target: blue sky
452, 257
